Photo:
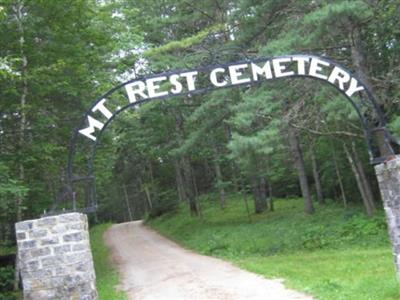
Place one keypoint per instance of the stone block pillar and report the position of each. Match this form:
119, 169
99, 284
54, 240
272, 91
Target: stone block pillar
388, 175
55, 259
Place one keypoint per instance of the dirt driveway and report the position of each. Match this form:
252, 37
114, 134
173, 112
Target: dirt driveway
155, 268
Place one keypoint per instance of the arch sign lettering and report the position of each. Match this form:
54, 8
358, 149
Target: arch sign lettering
203, 79
241, 73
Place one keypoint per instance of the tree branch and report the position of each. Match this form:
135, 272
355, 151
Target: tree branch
317, 132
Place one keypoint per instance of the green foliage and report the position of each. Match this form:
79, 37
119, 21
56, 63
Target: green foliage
73, 53
395, 126
331, 228
6, 279
183, 44
10, 190
106, 275
339, 14
333, 254
7, 276
359, 227
166, 202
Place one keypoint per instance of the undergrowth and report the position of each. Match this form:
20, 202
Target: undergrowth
333, 254
106, 275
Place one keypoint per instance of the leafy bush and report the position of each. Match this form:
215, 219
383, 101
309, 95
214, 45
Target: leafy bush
314, 238
6, 279
354, 229
360, 226
215, 244
165, 203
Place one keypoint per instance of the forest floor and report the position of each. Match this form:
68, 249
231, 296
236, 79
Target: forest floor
334, 254
153, 267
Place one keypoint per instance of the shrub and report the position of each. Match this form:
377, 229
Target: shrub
6, 279
166, 202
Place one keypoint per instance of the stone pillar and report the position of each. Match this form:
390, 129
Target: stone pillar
388, 175
55, 259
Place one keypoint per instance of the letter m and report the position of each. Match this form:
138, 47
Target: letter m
93, 123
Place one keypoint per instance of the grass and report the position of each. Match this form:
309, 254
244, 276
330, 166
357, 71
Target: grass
334, 254
106, 275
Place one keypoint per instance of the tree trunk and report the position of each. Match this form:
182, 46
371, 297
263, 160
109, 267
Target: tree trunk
179, 181
339, 176
359, 58
188, 186
150, 169
187, 176
256, 194
18, 8
360, 63
218, 177
260, 202
270, 197
127, 202
364, 179
18, 15
360, 184
193, 175
301, 169
235, 179
317, 180
232, 165
148, 196
208, 173
263, 190
146, 190
244, 194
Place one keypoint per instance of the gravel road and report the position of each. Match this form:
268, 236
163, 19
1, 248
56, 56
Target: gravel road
155, 268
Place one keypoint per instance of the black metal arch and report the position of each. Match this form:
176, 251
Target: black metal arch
364, 101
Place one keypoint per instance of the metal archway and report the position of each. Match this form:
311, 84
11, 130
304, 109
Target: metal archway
148, 88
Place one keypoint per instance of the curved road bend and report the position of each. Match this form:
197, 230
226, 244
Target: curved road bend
155, 268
